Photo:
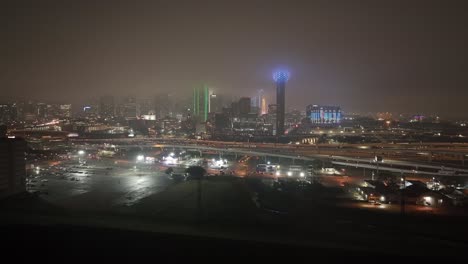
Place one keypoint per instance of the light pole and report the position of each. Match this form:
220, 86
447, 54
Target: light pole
402, 194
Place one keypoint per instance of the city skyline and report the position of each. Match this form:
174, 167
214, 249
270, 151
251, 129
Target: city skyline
240, 127
94, 101
367, 58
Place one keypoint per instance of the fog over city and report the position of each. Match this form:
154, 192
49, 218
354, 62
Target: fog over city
396, 56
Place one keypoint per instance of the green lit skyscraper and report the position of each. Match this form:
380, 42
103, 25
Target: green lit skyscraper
201, 102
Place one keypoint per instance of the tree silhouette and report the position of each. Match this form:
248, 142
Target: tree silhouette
197, 173
169, 171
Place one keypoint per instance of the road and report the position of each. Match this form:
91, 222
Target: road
292, 153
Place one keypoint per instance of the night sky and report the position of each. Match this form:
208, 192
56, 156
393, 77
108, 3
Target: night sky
407, 56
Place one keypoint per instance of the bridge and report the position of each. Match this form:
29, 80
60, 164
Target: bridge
390, 165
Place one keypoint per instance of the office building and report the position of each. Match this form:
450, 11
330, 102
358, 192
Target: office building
215, 103
235, 109
65, 111
3, 130
8, 113
147, 106
29, 111
106, 106
164, 105
90, 110
259, 103
280, 78
12, 166
53, 110
201, 103
129, 108
244, 106
41, 111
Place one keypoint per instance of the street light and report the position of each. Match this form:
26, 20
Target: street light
140, 158
80, 154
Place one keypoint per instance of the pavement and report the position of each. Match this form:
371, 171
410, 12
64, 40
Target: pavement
94, 187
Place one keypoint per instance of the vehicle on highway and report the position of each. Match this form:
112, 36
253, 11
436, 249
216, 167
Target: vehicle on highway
178, 177
267, 168
296, 171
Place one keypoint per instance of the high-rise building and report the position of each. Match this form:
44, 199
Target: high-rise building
130, 108
3, 130
280, 78
106, 106
53, 110
201, 103
164, 105
41, 111
90, 109
272, 108
12, 166
147, 106
263, 106
235, 111
8, 113
259, 102
215, 103
65, 111
29, 111
244, 106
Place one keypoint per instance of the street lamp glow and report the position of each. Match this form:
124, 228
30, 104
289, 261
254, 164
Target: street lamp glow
81, 152
289, 173
302, 174
277, 173
140, 158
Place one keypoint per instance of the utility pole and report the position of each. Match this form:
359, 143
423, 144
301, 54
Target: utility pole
402, 194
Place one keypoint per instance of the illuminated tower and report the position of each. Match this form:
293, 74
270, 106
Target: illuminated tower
259, 101
280, 78
201, 103
264, 108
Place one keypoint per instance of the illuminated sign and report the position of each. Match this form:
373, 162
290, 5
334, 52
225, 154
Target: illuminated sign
324, 114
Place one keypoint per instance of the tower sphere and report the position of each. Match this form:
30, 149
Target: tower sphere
281, 76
